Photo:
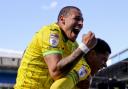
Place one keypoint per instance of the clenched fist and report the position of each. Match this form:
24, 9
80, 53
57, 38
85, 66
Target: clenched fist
89, 40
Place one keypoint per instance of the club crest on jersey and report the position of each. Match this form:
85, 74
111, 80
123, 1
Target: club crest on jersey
54, 39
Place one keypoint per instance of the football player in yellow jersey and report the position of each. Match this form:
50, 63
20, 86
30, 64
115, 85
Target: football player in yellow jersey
52, 53
93, 61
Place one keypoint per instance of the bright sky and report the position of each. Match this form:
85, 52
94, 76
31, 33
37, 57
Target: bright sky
20, 19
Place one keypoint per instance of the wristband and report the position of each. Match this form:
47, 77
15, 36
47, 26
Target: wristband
84, 48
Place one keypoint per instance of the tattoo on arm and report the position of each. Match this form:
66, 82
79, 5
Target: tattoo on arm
66, 64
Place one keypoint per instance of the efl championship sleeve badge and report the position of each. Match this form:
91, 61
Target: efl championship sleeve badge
82, 72
54, 39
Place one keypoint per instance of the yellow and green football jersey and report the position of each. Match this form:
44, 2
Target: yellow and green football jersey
33, 71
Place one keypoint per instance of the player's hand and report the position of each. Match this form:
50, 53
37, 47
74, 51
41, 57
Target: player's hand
89, 40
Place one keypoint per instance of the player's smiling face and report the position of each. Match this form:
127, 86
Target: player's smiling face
73, 24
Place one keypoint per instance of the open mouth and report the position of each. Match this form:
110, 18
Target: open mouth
76, 30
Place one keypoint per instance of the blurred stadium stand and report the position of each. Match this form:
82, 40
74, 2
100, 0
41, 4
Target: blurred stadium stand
9, 63
115, 76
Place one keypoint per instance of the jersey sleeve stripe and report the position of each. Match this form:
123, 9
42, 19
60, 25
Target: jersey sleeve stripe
52, 52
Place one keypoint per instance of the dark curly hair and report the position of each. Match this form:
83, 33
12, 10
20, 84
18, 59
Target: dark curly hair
102, 46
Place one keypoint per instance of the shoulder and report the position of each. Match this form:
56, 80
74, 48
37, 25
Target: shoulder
53, 27
49, 29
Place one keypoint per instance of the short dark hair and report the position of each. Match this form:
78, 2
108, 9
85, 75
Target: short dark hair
65, 11
102, 46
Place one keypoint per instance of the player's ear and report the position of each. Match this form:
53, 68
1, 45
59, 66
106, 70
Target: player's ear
62, 19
